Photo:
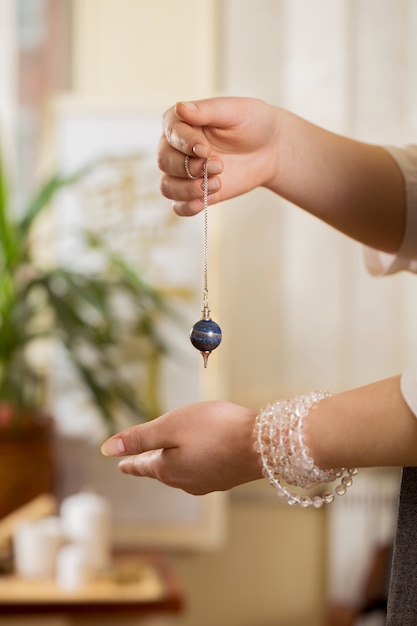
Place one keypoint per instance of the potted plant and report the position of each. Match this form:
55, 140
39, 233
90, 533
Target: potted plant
93, 316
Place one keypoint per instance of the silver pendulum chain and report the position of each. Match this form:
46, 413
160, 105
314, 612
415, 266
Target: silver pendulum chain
205, 335
206, 309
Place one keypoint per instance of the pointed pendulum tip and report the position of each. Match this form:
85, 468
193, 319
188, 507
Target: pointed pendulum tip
205, 335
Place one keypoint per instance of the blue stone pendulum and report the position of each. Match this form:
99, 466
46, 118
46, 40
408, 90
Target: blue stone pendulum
205, 335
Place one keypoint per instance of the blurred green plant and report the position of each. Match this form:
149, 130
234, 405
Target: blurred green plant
97, 317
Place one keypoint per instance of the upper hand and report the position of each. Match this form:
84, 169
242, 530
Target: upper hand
237, 135
202, 447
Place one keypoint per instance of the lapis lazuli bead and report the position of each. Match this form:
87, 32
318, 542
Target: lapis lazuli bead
205, 335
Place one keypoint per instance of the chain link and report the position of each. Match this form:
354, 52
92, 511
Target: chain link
205, 236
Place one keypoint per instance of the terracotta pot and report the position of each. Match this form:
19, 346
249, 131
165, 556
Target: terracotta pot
26, 461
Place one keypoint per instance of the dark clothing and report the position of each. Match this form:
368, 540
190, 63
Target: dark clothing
402, 601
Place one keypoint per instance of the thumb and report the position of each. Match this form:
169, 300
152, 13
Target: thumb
141, 438
219, 112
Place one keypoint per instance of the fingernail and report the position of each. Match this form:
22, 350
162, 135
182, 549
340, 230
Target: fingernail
213, 184
113, 447
214, 167
200, 150
189, 105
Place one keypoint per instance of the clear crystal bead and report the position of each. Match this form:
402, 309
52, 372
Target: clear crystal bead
353, 471
340, 490
265, 472
308, 463
301, 410
328, 497
317, 502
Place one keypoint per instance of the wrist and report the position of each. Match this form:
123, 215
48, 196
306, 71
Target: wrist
271, 165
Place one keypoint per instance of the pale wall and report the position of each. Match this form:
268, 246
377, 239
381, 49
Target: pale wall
144, 50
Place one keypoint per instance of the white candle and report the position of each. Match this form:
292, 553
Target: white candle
86, 520
73, 567
35, 546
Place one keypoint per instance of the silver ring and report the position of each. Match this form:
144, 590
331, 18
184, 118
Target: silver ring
187, 168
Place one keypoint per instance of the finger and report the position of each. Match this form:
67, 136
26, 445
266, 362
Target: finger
184, 124
186, 190
172, 162
219, 112
145, 465
188, 209
141, 438
185, 138
160, 465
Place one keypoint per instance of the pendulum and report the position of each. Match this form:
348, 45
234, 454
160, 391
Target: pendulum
205, 335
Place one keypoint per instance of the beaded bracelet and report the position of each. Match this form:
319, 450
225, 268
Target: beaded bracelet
284, 456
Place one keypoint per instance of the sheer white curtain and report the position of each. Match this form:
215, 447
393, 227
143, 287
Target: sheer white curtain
349, 66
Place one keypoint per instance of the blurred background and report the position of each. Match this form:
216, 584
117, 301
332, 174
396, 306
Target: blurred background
347, 65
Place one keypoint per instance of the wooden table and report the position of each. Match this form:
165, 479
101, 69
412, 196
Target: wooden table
137, 585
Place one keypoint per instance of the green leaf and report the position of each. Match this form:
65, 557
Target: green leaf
101, 318
8, 238
45, 194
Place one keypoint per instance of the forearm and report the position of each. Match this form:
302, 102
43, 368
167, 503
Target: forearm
370, 426
355, 187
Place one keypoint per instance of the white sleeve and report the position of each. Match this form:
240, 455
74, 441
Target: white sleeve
379, 263
408, 385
